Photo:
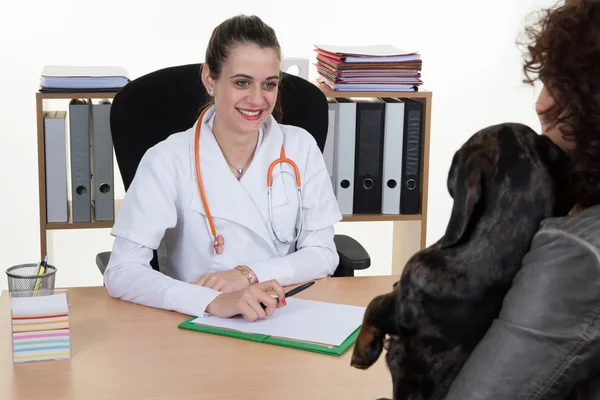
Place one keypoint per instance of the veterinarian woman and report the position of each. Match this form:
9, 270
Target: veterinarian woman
202, 194
546, 342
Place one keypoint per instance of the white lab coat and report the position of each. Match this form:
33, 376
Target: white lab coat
163, 208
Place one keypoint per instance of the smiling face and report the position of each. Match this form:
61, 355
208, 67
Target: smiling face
246, 91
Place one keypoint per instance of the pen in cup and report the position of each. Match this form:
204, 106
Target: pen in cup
41, 270
294, 291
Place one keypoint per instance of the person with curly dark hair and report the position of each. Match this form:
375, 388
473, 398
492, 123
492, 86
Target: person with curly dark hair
545, 344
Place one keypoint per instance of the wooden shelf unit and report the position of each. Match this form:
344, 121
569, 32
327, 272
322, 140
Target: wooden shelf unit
404, 241
44, 225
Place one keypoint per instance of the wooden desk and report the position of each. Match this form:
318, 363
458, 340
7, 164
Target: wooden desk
121, 350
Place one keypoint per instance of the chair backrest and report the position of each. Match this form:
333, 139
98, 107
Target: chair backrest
150, 108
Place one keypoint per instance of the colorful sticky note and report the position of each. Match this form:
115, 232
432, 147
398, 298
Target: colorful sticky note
40, 327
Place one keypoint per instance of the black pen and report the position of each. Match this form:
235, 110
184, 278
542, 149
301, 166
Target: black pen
298, 289
294, 291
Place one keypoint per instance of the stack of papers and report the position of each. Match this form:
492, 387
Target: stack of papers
84, 78
368, 68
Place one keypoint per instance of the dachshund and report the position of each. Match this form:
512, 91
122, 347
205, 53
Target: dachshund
504, 181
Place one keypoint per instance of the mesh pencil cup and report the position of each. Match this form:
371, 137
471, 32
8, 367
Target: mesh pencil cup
23, 279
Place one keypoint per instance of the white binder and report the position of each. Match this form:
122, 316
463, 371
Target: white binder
392, 156
329, 142
55, 144
344, 149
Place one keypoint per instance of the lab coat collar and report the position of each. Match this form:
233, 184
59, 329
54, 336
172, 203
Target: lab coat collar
238, 201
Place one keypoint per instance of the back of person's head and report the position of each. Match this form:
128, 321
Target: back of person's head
240, 30
563, 52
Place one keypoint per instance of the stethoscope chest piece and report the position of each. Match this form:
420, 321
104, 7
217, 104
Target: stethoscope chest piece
288, 239
218, 240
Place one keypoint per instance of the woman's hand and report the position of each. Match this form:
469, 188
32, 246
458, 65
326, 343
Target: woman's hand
224, 281
247, 302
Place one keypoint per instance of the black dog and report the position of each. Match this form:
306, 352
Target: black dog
504, 181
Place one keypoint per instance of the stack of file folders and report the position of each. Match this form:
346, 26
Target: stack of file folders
368, 68
57, 78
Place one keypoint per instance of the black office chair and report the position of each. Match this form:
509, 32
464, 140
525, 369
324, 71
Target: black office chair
150, 108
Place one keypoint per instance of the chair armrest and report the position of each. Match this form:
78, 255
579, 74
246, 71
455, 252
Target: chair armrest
352, 254
102, 261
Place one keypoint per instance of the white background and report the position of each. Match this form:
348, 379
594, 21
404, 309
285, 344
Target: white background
470, 61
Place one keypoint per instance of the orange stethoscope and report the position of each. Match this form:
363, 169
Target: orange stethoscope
218, 241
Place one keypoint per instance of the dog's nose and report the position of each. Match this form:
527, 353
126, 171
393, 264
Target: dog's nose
359, 363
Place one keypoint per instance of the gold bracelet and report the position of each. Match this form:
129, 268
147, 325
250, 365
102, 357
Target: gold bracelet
244, 271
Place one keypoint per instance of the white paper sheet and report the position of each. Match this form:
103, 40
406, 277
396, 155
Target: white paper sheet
306, 320
39, 305
85, 71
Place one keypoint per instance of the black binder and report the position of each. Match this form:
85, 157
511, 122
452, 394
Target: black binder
410, 193
368, 163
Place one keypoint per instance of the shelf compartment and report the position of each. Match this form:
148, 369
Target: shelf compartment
83, 225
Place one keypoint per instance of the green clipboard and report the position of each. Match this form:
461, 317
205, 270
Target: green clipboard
257, 337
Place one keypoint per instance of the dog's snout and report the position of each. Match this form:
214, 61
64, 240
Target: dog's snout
360, 363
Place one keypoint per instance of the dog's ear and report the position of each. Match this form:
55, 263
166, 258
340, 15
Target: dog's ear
465, 186
406, 317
